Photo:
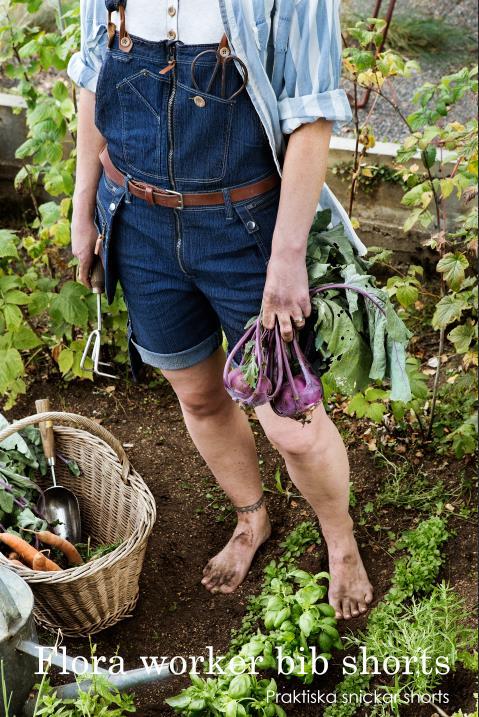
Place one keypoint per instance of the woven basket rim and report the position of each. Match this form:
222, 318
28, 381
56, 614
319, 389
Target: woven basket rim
135, 540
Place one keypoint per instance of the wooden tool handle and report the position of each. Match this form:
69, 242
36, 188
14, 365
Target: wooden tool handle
46, 429
97, 276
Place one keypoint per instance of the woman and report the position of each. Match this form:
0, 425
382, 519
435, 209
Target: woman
203, 106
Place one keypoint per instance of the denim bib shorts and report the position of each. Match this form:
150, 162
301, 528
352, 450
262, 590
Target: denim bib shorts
187, 274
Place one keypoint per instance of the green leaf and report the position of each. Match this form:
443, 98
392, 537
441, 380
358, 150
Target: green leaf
65, 360
306, 623
462, 336
407, 295
70, 302
17, 297
6, 501
453, 267
8, 244
358, 406
24, 338
11, 367
448, 310
12, 315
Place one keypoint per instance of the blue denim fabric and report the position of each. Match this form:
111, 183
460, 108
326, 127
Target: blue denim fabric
186, 274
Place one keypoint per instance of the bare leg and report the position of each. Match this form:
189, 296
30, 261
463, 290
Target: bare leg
222, 435
317, 462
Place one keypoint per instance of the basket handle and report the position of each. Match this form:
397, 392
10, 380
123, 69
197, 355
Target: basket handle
74, 419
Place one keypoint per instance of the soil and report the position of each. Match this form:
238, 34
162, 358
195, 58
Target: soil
175, 615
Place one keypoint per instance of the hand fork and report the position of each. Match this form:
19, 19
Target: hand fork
93, 344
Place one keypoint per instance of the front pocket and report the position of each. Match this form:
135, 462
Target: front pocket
143, 100
107, 205
259, 219
202, 129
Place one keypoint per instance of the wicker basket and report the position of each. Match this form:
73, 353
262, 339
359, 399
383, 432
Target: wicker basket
116, 507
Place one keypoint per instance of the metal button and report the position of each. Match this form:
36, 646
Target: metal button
112, 207
251, 226
199, 101
172, 11
172, 34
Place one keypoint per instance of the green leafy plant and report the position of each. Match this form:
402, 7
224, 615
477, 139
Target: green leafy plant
438, 161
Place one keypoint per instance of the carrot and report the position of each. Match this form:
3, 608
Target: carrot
64, 546
42, 563
24, 550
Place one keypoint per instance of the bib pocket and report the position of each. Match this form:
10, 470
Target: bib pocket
109, 199
202, 123
143, 99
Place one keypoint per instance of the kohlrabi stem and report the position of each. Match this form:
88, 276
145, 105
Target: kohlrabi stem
350, 287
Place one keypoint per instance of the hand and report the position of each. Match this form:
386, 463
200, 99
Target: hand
84, 238
286, 294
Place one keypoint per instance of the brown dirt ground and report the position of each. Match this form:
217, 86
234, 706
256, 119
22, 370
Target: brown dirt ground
175, 615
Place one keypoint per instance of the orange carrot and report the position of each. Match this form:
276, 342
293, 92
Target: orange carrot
41, 563
26, 551
64, 546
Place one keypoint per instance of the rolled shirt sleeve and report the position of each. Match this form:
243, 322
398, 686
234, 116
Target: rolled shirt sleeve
312, 67
84, 66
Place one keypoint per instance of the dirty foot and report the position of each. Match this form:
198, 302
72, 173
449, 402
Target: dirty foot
350, 591
227, 570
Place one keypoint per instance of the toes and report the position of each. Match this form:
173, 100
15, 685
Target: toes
354, 609
362, 606
346, 609
336, 604
369, 596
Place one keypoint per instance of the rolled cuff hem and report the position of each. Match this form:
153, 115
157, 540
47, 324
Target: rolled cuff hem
82, 75
295, 111
182, 359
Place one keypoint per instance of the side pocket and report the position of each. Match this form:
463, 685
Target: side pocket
108, 203
259, 219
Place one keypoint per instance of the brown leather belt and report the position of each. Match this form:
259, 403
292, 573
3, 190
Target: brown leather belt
175, 200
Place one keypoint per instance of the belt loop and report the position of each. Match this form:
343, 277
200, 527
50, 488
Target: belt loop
228, 205
149, 194
127, 189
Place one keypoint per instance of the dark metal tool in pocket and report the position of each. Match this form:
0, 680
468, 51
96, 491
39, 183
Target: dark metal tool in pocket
93, 345
224, 57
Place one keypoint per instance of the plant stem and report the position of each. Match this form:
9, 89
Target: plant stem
442, 334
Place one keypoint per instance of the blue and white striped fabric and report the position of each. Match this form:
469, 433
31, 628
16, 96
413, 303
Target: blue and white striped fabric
292, 49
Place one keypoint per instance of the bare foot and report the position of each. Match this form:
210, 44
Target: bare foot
350, 591
227, 570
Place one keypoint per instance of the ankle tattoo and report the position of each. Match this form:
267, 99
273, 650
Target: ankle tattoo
252, 508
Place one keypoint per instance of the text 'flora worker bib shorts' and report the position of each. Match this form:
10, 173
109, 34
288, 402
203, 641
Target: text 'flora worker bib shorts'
185, 273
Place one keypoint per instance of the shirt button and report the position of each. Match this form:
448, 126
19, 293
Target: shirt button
112, 207
171, 34
251, 226
172, 11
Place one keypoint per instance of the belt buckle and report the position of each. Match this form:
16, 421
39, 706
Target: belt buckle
181, 204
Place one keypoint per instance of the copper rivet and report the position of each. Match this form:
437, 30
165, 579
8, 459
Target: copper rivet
199, 101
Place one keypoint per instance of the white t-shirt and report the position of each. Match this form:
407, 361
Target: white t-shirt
193, 22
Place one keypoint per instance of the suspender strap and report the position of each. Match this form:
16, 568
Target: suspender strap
125, 40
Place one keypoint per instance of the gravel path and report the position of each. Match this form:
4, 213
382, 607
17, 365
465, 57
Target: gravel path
459, 13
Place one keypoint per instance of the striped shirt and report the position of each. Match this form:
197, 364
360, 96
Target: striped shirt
292, 49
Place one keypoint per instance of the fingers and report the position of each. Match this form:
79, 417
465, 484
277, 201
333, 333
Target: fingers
83, 271
285, 326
